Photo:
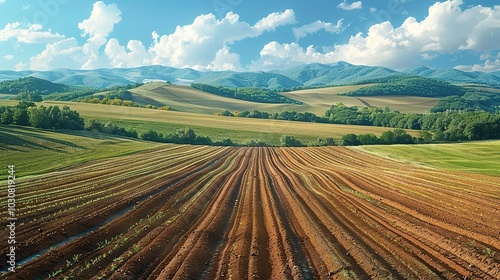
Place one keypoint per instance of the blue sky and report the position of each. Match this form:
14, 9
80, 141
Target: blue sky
244, 35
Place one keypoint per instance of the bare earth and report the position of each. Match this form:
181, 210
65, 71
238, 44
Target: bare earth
193, 212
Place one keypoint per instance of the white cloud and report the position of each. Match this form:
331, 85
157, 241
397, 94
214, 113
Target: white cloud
428, 56
27, 33
68, 53
92, 52
21, 66
485, 56
2, 1
203, 44
206, 40
63, 54
488, 66
274, 20
446, 29
275, 56
353, 6
316, 26
225, 60
134, 55
98, 26
26, 7
101, 21
8, 57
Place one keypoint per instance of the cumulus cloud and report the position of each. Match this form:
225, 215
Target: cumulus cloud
134, 55
274, 20
203, 44
487, 66
411, 42
98, 26
21, 66
304, 30
353, 6
8, 57
62, 54
2, 1
198, 44
225, 60
68, 53
28, 33
101, 21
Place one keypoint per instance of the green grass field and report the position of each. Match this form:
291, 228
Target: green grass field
480, 157
35, 151
241, 130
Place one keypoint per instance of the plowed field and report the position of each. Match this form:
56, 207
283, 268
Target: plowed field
192, 212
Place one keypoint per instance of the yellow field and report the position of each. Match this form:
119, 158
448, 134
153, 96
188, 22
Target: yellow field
188, 99
317, 101
323, 98
247, 126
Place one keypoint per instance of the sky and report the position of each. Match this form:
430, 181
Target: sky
249, 35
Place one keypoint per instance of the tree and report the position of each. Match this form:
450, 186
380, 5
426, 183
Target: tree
28, 96
349, 140
226, 113
71, 119
426, 136
368, 139
21, 117
289, 141
387, 137
185, 136
225, 142
152, 135
7, 116
38, 117
322, 142
401, 137
54, 115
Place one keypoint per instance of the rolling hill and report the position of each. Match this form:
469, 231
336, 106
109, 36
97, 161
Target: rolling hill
317, 101
315, 74
455, 76
32, 84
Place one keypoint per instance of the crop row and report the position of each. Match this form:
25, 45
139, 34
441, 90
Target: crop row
180, 212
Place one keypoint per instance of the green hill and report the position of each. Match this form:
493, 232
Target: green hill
339, 73
32, 84
248, 79
408, 86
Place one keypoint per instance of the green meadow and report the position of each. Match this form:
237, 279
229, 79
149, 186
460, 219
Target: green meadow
36, 151
480, 157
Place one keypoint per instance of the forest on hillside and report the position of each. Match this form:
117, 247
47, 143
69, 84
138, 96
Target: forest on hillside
261, 95
408, 86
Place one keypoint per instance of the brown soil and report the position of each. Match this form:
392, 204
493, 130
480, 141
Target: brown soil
188, 212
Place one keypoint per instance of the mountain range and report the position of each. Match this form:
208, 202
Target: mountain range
309, 75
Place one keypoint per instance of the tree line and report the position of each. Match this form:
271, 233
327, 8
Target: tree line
262, 95
181, 136
189, 136
51, 117
442, 126
409, 86
32, 84
472, 100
